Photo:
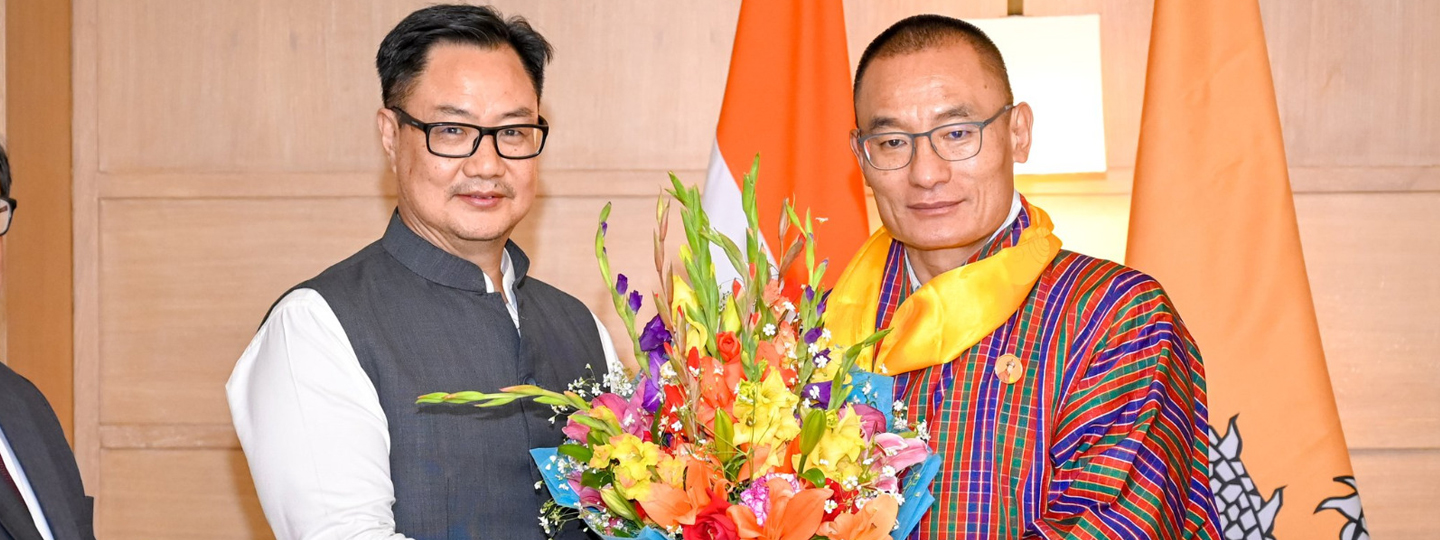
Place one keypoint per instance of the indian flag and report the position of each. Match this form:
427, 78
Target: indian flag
788, 100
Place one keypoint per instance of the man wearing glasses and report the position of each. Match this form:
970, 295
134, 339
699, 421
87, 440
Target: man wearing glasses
323, 399
1063, 391
41, 497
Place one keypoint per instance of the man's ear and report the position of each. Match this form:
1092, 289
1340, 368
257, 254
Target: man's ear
857, 150
389, 128
1022, 121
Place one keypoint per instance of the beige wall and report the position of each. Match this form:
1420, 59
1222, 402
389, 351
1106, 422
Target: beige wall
223, 151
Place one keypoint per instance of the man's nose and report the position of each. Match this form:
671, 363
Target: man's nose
927, 168
485, 162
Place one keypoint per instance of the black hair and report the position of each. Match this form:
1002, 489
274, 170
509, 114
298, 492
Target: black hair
4, 173
404, 50
921, 32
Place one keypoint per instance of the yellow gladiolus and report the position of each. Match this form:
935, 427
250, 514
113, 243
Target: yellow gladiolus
838, 452
634, 459
764, 413
683, 297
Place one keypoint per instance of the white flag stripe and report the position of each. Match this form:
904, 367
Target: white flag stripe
722, 202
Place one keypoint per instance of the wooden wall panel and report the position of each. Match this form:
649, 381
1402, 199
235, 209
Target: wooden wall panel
1357, 81
258, 86
178, 495
291, 86
1399, 491
181, 297
865, 19
1372, 273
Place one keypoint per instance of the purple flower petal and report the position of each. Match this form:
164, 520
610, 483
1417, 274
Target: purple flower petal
635, 300
813, 335
820, 309
809, 293
817, 392
654, 336
622, 284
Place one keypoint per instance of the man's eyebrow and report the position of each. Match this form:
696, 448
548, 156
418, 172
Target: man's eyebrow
452, 110
958, 112
523, 113
881, 122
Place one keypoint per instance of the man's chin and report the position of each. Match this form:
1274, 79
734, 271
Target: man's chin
938, 243
484, 234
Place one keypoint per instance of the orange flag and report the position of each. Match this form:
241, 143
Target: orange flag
1213, 219
788, 99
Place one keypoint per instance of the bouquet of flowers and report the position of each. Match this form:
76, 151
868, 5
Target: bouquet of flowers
745, 419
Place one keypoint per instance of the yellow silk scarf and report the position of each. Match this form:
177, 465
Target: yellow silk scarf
946, 316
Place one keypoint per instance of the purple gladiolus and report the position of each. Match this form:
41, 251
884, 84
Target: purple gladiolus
813, 335
820, 309
654, 336
650, 393
622, 284
650, 384
809, 293
817, 392
604, 227
635, 300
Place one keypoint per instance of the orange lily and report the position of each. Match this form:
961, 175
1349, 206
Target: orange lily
669, 506
873, 522
793, 515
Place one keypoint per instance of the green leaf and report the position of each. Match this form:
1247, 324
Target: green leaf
434, 397
597, 479
815, 477
597, 437
732, 251
576, 452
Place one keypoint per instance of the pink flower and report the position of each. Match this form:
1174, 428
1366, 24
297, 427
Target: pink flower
900, 452
575, 430
872, 421
631, 414
589, 497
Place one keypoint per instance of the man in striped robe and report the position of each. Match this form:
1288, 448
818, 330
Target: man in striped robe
1063, 392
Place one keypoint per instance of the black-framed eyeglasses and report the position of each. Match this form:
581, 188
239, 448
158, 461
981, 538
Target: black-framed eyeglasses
957, 142
7, 211
459, 140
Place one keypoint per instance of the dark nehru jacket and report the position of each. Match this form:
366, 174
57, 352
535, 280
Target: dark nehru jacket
420, 321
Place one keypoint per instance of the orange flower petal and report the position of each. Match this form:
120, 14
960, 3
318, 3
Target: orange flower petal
873, 522
745, 522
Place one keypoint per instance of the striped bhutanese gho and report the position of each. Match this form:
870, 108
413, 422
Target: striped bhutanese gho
1102, 436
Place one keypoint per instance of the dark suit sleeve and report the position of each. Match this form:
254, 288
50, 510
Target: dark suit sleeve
35, 435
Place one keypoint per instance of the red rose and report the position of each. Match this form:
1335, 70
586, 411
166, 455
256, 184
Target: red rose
712, 523
844, 500
728, 346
